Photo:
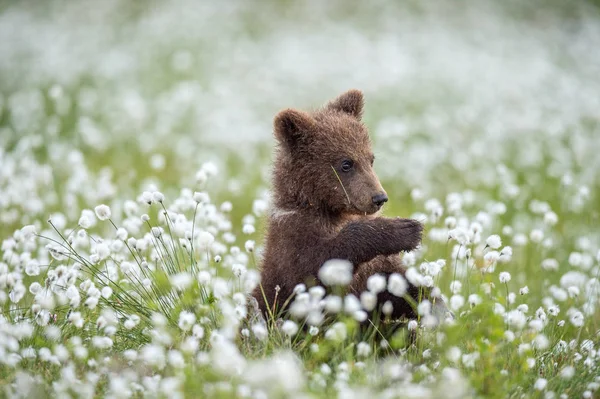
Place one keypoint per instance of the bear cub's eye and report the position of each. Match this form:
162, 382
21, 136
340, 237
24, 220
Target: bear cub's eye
347, 165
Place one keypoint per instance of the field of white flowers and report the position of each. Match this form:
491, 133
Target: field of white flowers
135, 149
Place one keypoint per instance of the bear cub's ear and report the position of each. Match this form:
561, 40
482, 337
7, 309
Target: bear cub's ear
351, 102
291, 125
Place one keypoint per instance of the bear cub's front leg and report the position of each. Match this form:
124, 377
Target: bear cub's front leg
361, 241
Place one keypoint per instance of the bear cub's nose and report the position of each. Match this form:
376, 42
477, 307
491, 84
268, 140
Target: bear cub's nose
380, 199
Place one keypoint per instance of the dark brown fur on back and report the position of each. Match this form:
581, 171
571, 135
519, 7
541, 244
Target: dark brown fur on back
323, 210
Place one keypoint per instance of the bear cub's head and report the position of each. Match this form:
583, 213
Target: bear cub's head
325, 160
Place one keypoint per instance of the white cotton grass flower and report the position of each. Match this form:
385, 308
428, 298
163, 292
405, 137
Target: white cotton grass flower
248, 229
30, 231
541, 342
289, 328
336, 272
540, 384
455, 287
504, 277
376, 283
550, 218
205, 240
536, 236
494, 241
550, 264
186, 320
567, 372
336, 332
491, 257
333, 304
459, 235
397, 285
201, 197
87, 219
181, 281
577, 319
363, 349
102, 212
453, 354
106, 292
260, 331
505, 255
412, 325
157, 196
368, 300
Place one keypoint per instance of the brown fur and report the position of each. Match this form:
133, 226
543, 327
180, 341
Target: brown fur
314, 218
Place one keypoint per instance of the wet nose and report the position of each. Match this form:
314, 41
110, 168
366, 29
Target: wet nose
380, 199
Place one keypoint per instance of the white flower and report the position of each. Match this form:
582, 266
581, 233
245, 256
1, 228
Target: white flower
337, 332
363, 349
524, 290
550, 264
157, 196
450, 222
567, 372
453, 354
289, 328
550, 218
333, 304
540, 384
204, 277
505, 255
455, 286
106, 292
87, 219
368, 300
201, 197
491, 257
474, 300
102, 212
210, 168
122, 234
181, 281
504, 277
536, 236
516, 319
351, 304
198, 331
494, 241
457, 302
397, 285
387, 308
32, 268
459, 235
412, 325
248, 229
28, 231
147, 197
91, 302
205, 239
249, 245
376, 283
541, 342
260, 331
336, 272
186, 320
577, 319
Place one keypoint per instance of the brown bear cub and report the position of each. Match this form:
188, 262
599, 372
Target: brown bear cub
326, 197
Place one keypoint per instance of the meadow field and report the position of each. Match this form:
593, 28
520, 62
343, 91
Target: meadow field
135, 158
